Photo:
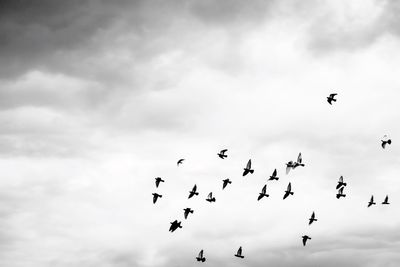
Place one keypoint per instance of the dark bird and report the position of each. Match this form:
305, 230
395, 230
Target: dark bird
331, 98
288, 191
225, 183
193, 192
273, 176
385, 141
200, 257
187, 211
371, 202
210, 198
263, 193
305, 238
340, 183
386, 201
248, 168
221, 154
312, 219
155, 197
174, 225
180, 162
239, 253
289, 166
340, 193
298, 162
158, 180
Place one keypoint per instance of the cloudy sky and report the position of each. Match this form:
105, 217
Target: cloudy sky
97, 98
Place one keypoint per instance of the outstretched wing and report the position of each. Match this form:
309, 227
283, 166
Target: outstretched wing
248, 166
386, 198
372, 199
239, 252
289, 187
209, 195
154, 198
201, 254
304, 241
223, 151
194, 188
341, 179
313, 216
274, 173
264, 189
332, 95
299, 158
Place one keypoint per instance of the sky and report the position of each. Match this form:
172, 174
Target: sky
97, 98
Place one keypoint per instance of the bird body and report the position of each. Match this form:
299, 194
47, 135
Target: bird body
193, 192
386, 201
239, 253
221, 154
305, 238
200, 257
174, 225
225, 183
248, 168
274, 176
155, 197
288, 191
340, 183
331, 98
187, 211
180, 162
371, 202
298, 162
312, 219
386, 142
289, 166
263, 193
340, 193
158, 180
210, 198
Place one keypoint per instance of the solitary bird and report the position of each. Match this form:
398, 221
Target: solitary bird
200, 257
180, 162
221, 154
210, 198
298, 162
340, 193
288, 191
225, 183
248, 168
385, 141
158, 180
305, 238
263, 193
371, 202
312, 219
239, 253
175, 225
155, 197
193, 192
340, 183
386, 201
186, 212
331, 98
274, 176
289, 166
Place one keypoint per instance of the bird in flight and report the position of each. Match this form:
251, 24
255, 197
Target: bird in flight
239, 253
274, 176
155, 197
340, 193
201, 257
331, 98
221, 154
298, 162
289, 166
386, 201
158, 180
193, 192
225, 183
186, 212
210, 198
305, 238
371, 202
175, 225
385, 141
180, 162
248, 168
288, 191
340, 183
312, 219
263, 193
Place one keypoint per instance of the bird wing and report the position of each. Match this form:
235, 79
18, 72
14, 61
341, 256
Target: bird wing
154, 198
372, 199
209, 195
341, 191
264, 189
332, 95
289, 187
157, 182
239, 252
223, 151
313, 216
304, 241
299, 158
201, 254
288, 169
248, 166
341, 179
274, 173
383, 144
386, 198
194, 188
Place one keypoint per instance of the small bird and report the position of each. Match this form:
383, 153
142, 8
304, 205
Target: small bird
180, 162
158, 180
371, 202
174, 225
239, 253
385, 141
289, 166
312, 219
193, 192
288, 191
187, 211
340, 183
305, 238
248, 168
221, 154
263, 193
386, 201
340, 193
273, 176
210, 198
155, 197
225, 183
200, 257
298, 162
331, 98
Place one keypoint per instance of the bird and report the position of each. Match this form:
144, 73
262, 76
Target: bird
305, 238
193, 192
187, 211
158, 180
180, 162
288, 191
371, 202
221, 154
248, 168
340, 183
225, 183
239, 253
175, 225
386, 201
298, 162
340, 193
155, 197
331, 98
210, 198
289, 166
312, 219
263, 193
273, 176
385, 141
200, 257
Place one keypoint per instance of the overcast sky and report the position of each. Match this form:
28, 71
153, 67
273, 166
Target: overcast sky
97, 98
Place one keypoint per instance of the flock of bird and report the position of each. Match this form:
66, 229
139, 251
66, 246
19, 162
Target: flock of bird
291, 165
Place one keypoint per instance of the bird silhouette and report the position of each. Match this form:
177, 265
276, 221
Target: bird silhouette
385, 141
331, 98
273, 176
289, 166
210, 198
186, 212
239, 253
180, 162
298, 162
221, 154
193, 192
158, 180
340, 183
225, 183
200, 257
386, 201
312, 219
155, 197
248, 168
288, 191
174, 225
263, 193
305, 238
340, 193
371, 202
